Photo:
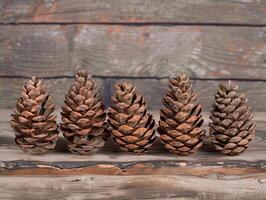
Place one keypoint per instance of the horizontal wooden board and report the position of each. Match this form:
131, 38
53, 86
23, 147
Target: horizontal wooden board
134, 11
151, 89
111, 161
149, 51
132, 188
112, 174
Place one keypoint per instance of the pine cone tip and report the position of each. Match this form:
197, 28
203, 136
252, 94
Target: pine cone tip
124, 86
83, 73
231, 86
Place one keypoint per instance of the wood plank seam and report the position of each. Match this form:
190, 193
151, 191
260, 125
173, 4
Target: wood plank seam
136, 24
138, 77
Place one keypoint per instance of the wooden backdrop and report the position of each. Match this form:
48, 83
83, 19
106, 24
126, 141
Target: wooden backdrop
142, 41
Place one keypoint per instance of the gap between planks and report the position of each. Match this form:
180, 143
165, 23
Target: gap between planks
135, 24
138, 77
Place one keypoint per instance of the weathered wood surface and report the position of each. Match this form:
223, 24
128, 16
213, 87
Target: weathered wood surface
210, 40
151, 89
133, 188
111, 161
147, 51
111, 174
134, 11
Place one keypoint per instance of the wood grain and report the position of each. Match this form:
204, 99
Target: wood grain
143, 42
151, 89
111, 161
111, 174
133, 11
149, 51
132, 188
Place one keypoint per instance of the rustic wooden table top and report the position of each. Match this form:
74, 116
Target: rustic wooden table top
112, 174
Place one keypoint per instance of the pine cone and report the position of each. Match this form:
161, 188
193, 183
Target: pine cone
180, 125
231, 126
83, 117
34, 124
132, 127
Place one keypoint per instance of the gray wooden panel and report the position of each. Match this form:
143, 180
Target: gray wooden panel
134, 11
133, 188
151, 89
117, 50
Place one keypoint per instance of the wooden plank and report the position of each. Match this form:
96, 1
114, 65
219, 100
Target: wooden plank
132, 188
134, 11
111, 174
111, 161
149, 51
151, 89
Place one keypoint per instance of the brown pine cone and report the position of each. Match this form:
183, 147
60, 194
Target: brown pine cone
83, 117
132, 127
180, 125
231, 126
34, 124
